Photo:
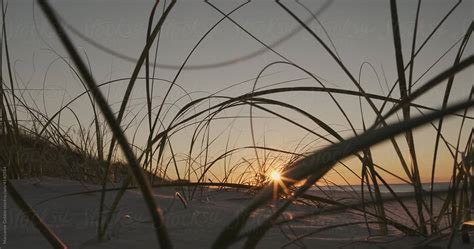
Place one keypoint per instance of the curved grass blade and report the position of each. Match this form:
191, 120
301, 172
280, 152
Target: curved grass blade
320, 162
52, 238
155, 211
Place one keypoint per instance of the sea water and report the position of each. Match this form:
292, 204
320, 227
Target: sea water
397, 188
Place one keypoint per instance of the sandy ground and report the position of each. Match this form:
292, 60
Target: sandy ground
74, 219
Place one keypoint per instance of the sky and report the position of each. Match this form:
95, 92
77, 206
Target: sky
360, 31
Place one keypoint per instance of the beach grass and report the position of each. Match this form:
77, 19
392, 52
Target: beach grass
92, 156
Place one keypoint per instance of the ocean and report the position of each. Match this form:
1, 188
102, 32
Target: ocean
397, 188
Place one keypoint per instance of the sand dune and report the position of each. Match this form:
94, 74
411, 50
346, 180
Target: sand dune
74, 219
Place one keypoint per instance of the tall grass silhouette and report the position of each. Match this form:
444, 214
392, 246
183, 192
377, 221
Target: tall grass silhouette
151, 162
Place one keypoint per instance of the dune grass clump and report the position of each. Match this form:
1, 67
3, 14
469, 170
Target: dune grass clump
91, 156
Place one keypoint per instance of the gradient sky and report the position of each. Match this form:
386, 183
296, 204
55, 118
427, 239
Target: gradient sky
361, 32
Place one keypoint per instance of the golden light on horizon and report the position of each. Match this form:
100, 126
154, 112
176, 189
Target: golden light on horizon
278, 182
275, 176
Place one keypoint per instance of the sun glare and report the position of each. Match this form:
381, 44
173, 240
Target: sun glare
275, 175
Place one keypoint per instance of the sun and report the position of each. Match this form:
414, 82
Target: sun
275, 175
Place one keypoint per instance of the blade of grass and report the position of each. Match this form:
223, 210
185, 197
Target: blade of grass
445, 102
129, 89
239, 59
155, 212
14, 118
406, 111
52, 238
319, 163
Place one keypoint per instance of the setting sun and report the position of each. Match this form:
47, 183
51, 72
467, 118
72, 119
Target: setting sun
275, 175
